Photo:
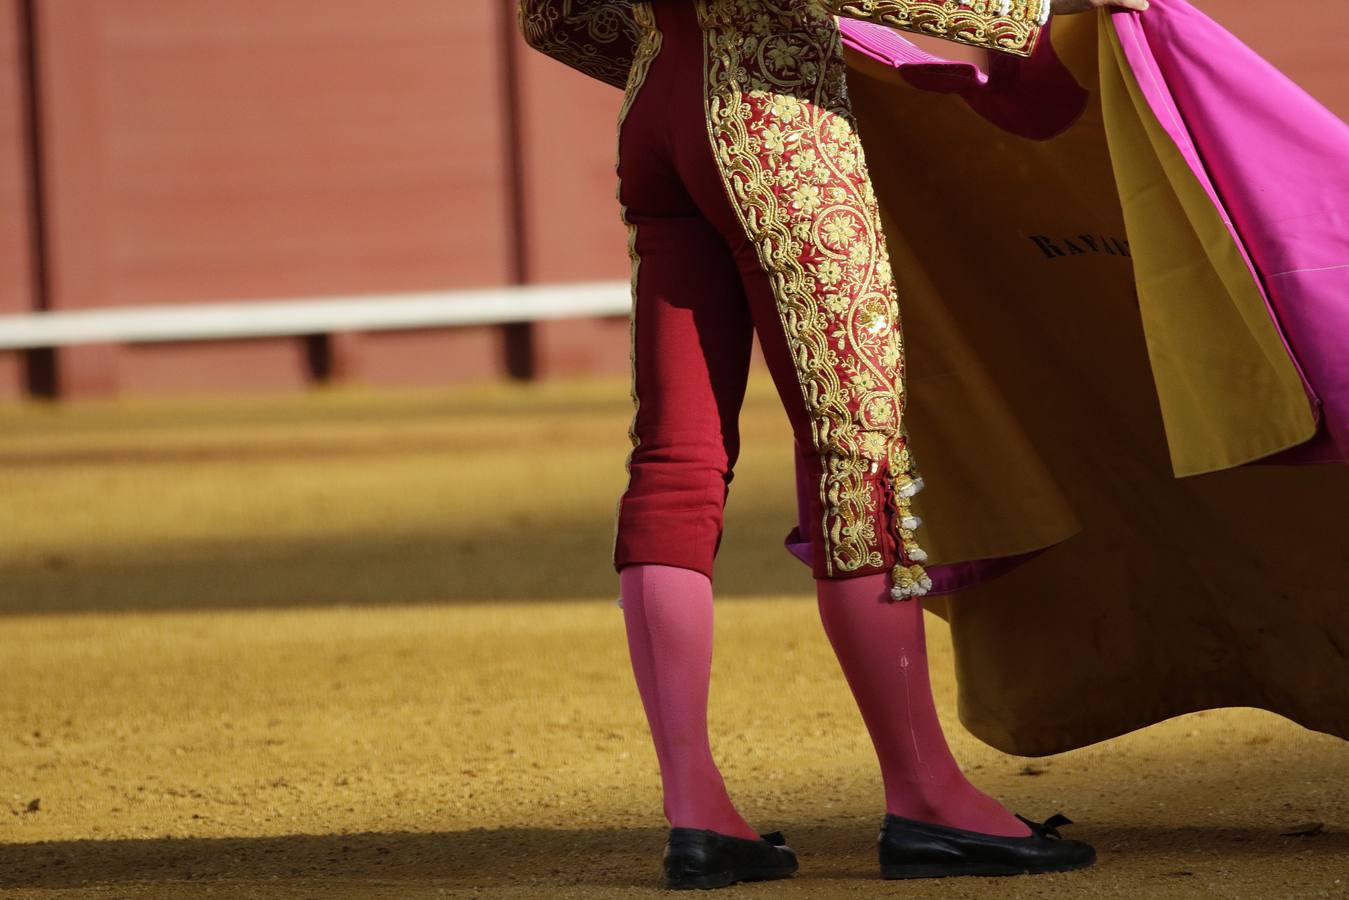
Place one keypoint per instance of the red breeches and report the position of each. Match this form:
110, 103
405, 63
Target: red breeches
700, 294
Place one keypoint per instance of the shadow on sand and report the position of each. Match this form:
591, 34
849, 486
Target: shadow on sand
537, 858
529, 561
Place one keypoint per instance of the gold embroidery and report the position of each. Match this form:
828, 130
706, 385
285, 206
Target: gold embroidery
646, 46
1009, 26
645, 51
792, 164
597, 37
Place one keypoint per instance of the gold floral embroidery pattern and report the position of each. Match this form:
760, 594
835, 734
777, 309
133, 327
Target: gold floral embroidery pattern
597, 37
1009, 26
792, 164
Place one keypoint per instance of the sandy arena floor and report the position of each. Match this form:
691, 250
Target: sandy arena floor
365, 645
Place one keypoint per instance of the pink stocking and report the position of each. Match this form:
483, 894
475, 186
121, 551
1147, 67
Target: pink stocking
668, 615
880, 645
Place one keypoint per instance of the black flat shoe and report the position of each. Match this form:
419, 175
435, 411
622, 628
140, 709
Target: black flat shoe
697, 858
912, 849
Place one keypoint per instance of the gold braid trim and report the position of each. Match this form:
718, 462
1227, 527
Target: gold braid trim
1008, 26
792, 164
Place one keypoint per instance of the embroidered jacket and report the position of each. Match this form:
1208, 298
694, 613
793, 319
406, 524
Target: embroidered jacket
1008, 26
599, 37
596, 37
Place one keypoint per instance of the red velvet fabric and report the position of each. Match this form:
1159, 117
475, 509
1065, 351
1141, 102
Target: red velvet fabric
700, 295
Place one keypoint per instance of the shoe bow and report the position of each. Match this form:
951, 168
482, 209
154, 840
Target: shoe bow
1049, 827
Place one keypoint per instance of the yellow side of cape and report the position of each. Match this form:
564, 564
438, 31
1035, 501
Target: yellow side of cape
1000, 243
1229, 391
1052, 406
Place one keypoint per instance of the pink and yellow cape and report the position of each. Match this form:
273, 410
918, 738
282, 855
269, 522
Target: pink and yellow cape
1124, 274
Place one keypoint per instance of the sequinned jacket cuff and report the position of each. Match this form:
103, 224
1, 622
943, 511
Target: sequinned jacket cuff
596, 37
1007, 26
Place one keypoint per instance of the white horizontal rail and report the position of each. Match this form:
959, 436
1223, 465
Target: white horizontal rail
269, 318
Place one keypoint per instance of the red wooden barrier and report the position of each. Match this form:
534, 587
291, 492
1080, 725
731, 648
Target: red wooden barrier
192, 150
17, 293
